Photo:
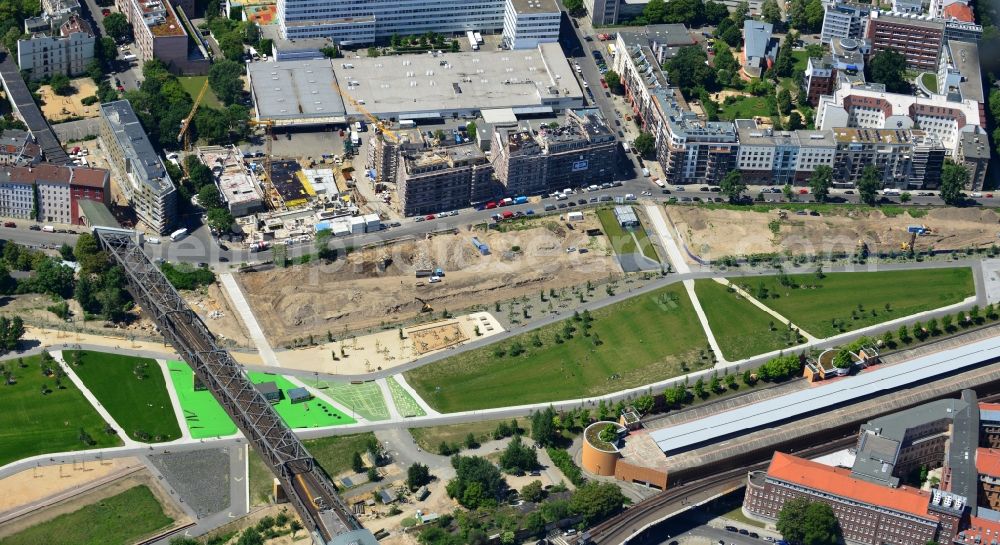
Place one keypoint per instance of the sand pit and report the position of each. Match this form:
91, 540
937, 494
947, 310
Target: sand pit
713, 233
436, 337
57, 108
47, 483
357, 293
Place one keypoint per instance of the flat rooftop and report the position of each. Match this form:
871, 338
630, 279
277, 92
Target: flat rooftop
535, 6
295, 90
235, 183
416, 86
965, 58
692, 434
132, 138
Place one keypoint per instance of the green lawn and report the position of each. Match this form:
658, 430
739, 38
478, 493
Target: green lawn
404, 402
314, 413
37, 424
192, 84
117, 520
334, 454
365, 398
744, 108
643, 339
430, 438
801, 60
204, 416
741, 329
261, 480
621, 240
132, 390
837, 296
930, 81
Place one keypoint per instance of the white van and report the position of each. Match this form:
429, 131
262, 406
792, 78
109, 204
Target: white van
357, 126
178, 234
645, 172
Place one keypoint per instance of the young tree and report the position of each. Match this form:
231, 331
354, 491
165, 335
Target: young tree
117, 27
784, 101
732, 185
820, 182
209, 198
533, 491
543, 430
795, 121
644, 144
61, 85
869, 184
954, 177
220, 219
357, 464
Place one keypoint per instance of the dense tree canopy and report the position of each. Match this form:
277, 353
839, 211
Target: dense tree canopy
953, 180
117, 27
820, 182
477, 482
687, 70
889, 67
597, 501
518, 457
730, 32
645, 144
869, 184
808, 523
226, 79
732, 185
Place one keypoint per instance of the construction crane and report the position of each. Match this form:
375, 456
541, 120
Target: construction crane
272, 194
364, 111
185, 135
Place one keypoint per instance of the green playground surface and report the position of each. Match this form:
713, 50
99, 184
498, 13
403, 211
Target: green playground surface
405, 404
365, 399
314, 413
204, 416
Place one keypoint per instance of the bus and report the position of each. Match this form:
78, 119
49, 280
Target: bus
178, 234
355, 139
472, 40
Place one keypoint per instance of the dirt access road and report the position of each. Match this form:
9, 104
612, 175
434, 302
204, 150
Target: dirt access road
713, 233
378, 286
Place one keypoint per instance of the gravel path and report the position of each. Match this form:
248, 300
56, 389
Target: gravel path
201, 478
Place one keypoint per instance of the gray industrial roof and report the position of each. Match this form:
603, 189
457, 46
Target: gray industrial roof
18, 93
97, 214
962, 450
730, 423
295, 90
756, 38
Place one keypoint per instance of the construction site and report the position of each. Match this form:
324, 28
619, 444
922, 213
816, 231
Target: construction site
400, 281
712, 233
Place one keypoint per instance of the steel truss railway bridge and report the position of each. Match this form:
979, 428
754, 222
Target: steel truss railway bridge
307, 486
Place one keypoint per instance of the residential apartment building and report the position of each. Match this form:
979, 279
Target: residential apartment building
974, 153
140, 173
613, 12
18, 148
905, 159
348, 23
916, 37
64, 48
942, 118
579, 152
159, 34
383, 153
689, 150
937, 7
844, 20
766, 156
527, 23
444, 178
844, 65
50, 193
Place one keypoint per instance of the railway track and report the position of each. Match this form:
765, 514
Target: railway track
308, 488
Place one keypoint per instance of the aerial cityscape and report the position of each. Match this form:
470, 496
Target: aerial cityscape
469, 272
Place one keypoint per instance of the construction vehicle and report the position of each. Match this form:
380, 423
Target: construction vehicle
273, 197
364, 111
426, 307
908, 246
185, 135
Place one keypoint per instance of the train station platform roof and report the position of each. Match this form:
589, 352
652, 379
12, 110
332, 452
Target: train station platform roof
696, 433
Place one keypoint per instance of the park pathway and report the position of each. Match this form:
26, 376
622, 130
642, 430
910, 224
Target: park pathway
174, 400
256, 333
92, 399
656, 217
743, 293
390, 403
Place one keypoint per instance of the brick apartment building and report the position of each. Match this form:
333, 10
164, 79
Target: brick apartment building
917, 37
159, 34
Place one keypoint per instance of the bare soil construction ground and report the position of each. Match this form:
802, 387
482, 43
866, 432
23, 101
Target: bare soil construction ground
44, 482
56, 108
715, 232
352, 294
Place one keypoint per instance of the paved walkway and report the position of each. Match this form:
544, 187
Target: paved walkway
743, 293
256, 333
174, 400
383, 386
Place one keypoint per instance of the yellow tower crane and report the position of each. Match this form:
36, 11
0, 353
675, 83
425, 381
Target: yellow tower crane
185, 135
364, 111
274, 199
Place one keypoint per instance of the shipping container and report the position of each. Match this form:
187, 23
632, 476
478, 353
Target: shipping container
520, 200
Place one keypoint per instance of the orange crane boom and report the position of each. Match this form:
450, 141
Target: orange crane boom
364, 111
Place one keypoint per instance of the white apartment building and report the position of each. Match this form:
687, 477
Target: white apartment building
870, 107
780, 157
17, 198
65, 50
54, 201
844, 20
348, 23
527, 23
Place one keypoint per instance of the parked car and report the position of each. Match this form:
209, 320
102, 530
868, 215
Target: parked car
35, 228
9, 224
105, 12
730, 528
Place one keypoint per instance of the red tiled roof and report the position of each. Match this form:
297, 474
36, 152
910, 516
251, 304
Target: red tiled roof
89, 177
959, 11
988, 461
989, 406
838, 481
986, 530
